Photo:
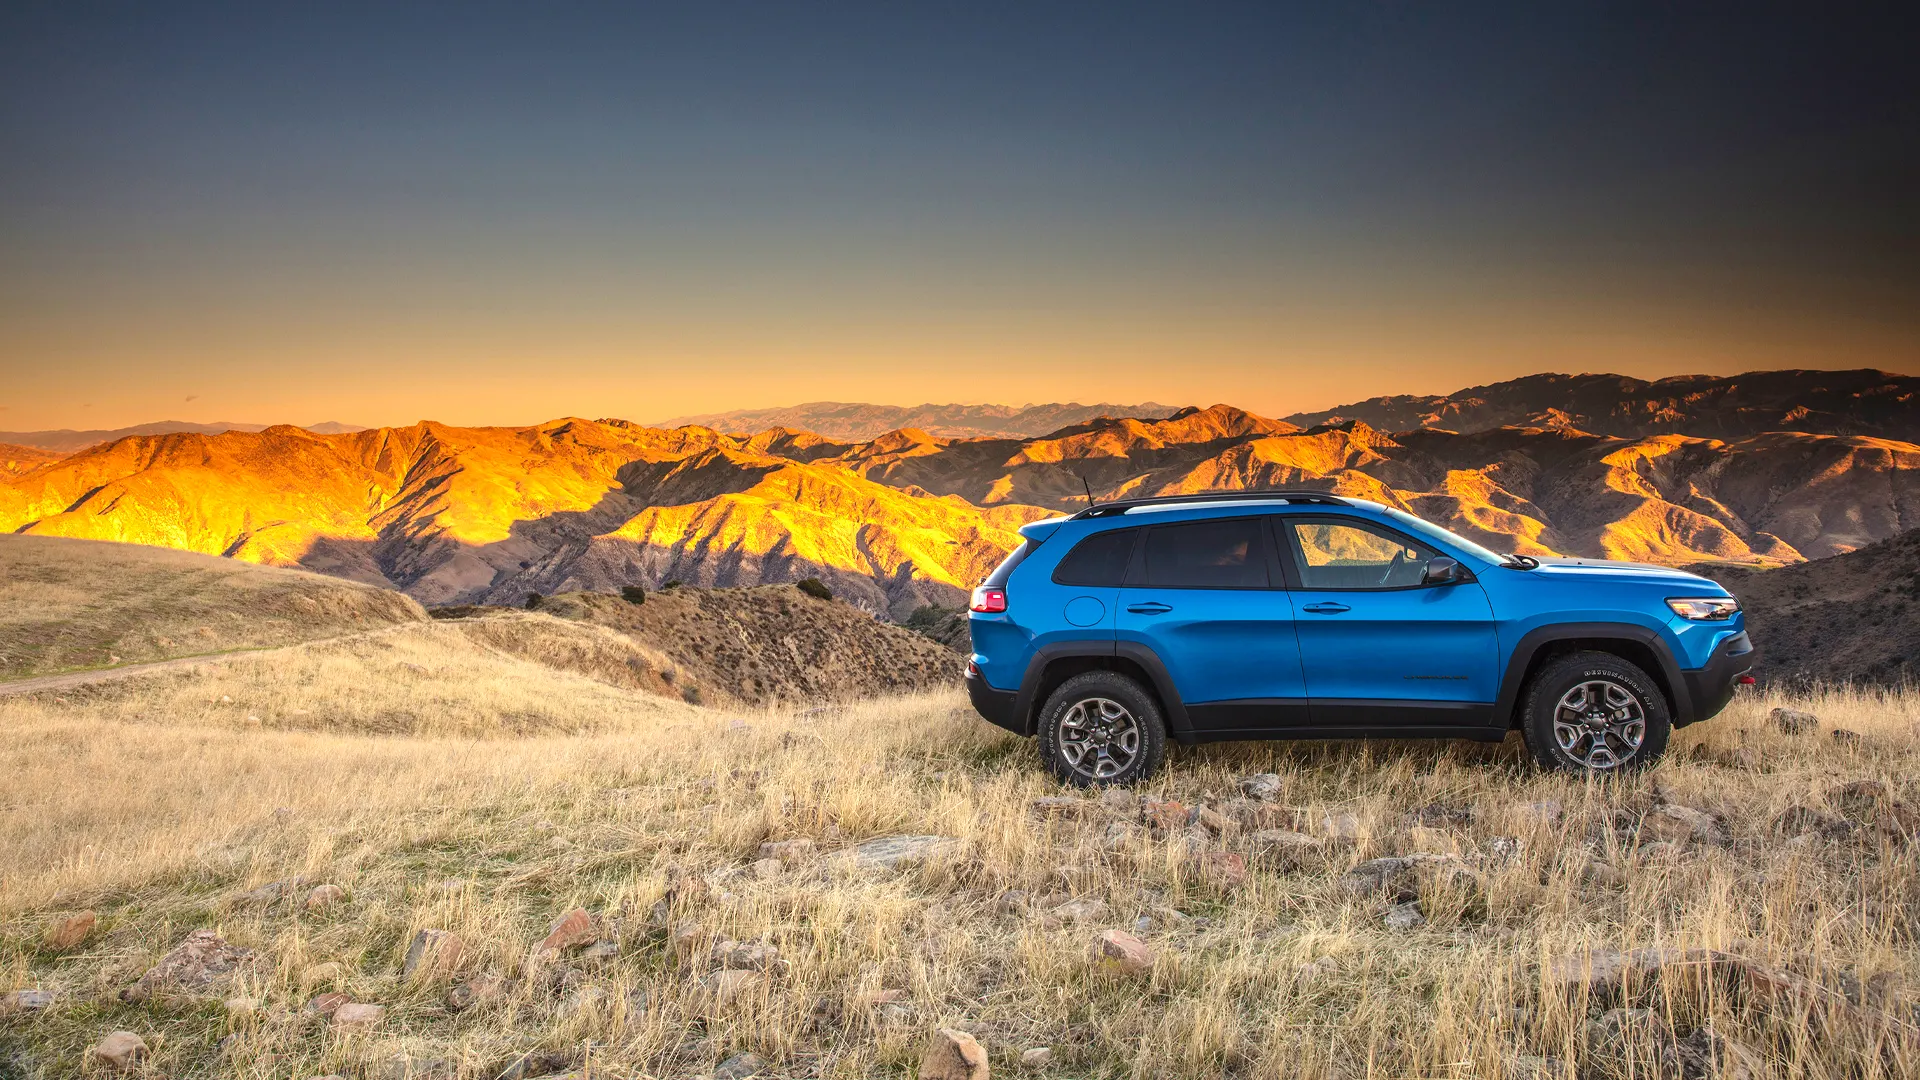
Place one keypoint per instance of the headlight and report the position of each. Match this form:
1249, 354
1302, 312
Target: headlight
1704, 608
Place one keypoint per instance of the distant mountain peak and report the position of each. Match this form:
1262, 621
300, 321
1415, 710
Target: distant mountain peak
853, 421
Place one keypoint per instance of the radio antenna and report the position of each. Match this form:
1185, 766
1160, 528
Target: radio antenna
1089, 487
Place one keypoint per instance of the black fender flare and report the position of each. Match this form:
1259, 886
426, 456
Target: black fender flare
1534, 640
1026, 707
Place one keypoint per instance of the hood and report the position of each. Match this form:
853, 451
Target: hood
1597, 569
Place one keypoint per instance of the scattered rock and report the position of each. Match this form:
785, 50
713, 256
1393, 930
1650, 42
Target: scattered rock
1223, 869
1437, 814
1846, 738
356, 1014
25, 1001
1546, 812
601, 952
722, 988
328, 1003
121, 1051
1678, 824
1085, 909
1038, 1057
1794, 721
1799, 820
1342, 828
766, 869
1404, 917
476, 990
1059, 805
1601, 874
569, 931
1712, 1056
1633, 1043
1266, 786
896, 852
432, 952
746, 955
1215, 822
1120, 953
741, 1066
1165, 815
1283, 845
1742, 757
324, 896
406, 1067
536, 1063
70, 931
1118, 800
954, 1055
201, 962
787, 851
1534, 1067
269, 894
1417, 878
1861, 800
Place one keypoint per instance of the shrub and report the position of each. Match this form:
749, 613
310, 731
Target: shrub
533, 600
633, 594
670, 583
815, 588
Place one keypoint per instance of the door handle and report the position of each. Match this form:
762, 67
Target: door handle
1328, 608
1152, 607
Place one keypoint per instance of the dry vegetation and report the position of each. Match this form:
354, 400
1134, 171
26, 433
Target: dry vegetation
158, 804
77, 604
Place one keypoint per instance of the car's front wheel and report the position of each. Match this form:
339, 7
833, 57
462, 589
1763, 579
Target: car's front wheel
1102, 727
1594, 712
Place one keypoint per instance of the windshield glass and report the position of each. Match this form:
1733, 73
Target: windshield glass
1431, 531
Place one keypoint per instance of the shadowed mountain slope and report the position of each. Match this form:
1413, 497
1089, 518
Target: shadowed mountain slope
16, 460
1861, 402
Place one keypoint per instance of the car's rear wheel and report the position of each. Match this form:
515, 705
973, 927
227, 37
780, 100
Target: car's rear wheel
1101, 728
1595, 712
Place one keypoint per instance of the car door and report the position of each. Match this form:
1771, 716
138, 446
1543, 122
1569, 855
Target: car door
1378, 646
1203, 597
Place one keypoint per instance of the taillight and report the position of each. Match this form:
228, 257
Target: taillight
988, 600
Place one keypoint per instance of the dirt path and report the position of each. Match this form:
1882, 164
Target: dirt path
70, 679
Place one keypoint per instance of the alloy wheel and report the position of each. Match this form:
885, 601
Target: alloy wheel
1099, 738
1600, 724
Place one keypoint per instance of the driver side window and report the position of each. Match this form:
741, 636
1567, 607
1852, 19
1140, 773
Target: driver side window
1349, 555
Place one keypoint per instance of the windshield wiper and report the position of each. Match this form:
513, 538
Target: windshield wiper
1520, 562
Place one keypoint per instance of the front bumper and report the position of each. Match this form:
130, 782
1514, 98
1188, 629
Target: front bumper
998, 706
1711, 687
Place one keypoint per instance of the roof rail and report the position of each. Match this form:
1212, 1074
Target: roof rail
1121, 506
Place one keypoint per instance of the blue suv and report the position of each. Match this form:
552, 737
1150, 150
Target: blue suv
1304, 615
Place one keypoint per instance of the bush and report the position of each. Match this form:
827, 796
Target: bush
815, 588
633, 594
670, 583
533, 600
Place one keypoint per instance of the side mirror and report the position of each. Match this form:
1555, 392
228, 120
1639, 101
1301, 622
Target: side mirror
1443, 571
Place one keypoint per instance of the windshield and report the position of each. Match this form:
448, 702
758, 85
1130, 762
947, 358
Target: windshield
1434, 532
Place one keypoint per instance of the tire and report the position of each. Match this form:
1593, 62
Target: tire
1128, 736
1583, 710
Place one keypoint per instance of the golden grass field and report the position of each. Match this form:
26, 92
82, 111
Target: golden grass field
452, 783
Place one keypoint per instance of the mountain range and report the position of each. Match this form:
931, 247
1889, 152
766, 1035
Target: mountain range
67, 441
854, 421
909, 518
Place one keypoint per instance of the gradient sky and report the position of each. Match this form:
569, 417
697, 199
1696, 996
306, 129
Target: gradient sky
502, 214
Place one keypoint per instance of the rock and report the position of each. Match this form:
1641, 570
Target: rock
431, 953
269, 894
1165, 815
1215, 822
1682, 825
1799, 820
324, 896
1223, 869
1437, 814
197, 965
355, 1014
1038, 1057
406, 1067
1633, 1043
896, 852
1742, 757
741, 1066
1404, 917
1283, 845
953, 1055
587, 999
1266, 786
1861, 800
601, 952
746, 955
122, 1051
70, 931
787, 851
536, 1063
327, 1004
722, 988
1059, 805
1417, 878
1120, 953
476, 990
25, 1001
1533, 1067
569, 931
1794, 721
1847, 738
1659, 851
1546, 812
1601, 875
1118, 800
1085, 909
1712, 1056
766, 869
1118, 835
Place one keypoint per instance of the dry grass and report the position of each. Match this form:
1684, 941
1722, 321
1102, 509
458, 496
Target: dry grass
155, 806
77, 604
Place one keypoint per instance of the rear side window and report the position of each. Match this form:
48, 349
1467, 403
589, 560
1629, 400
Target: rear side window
998, 579
1100, 559
1223, 554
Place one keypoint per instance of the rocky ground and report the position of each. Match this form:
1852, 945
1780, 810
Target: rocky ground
894, 888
